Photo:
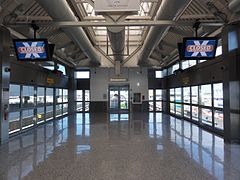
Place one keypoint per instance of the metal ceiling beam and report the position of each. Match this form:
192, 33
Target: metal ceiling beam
67, 24
197, 16
101, 18
33, 18
60, 10
181, 32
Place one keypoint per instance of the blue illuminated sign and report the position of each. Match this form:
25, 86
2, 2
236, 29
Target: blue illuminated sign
31, 49
200, 48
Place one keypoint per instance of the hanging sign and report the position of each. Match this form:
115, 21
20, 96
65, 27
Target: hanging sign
116, 5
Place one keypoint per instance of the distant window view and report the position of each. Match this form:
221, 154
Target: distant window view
82, 75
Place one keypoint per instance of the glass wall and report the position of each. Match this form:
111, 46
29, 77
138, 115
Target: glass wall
49, 104
202, 104
28, 96
155, 98
32, 105
62, 102
82, 100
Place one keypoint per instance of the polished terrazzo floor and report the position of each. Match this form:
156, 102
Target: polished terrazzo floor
119, 147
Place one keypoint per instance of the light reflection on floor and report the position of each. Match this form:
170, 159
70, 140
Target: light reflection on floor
157, 142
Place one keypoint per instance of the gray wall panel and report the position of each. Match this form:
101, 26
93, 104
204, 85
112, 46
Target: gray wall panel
26, 73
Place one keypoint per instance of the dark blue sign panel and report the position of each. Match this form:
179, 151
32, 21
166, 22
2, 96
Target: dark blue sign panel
200, 48
31, 49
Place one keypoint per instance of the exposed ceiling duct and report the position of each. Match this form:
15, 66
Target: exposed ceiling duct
168, 10
234, 6
59, 10
117, 39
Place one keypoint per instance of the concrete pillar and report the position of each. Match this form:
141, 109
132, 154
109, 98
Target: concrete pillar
231, 56
5, 79
72, 86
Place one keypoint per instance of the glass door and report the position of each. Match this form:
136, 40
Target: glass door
123, 98
114, 98
118, 98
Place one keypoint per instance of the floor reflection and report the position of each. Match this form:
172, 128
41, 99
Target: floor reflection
203, 147
153, 140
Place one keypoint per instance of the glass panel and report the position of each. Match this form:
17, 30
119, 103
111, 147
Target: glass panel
232, 40
65, 95
62, 68
151, 106
79, 95
40, 115
219, 51
218, 95
27, 118
114, 117
186, 95
87, 95
65, 109
87, 104
83, 75
218, 120
178, 95
206, 116
158, 74
158, 105
14, 97
59, 95
114, 99
158, 94
172, 95
201, 61
195, 95
28, 96
206, 95
79, 106
188, 64
150, 94
49, 96
40, 96
172, 108
187, 111
14, 122
124, 117
195, 113
124, 99
58, 110
49, 113
179, 109
173, 68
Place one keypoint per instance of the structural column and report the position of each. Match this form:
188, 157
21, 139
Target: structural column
72, 86
5, 79
231, 56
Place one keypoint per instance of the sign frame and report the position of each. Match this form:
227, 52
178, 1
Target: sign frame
33, 40
199, 39
116, 6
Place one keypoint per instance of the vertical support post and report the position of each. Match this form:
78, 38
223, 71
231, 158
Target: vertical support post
5, 79
72, 86
231, 85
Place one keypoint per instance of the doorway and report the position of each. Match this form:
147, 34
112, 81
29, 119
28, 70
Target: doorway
119, 98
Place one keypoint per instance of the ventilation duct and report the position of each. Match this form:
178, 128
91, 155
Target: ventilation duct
168, 10
234, 6
59, 10
117, 39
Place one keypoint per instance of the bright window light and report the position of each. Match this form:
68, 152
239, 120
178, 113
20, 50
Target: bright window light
82, 75
219, 51
232, 40
62, 69
158, 74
